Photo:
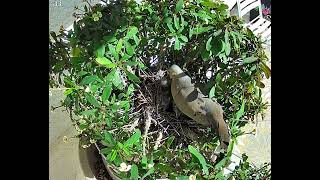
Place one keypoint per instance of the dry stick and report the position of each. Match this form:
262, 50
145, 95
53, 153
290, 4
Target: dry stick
164, 129
147, 126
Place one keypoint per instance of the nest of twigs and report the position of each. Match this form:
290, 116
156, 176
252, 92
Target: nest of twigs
158, 114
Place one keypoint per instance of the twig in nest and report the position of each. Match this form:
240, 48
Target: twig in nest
147, 126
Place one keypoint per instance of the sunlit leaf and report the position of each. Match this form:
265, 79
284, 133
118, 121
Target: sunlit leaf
132, 77
208, 44
119, 46
113, 51
100, 51
249, 60
134, 172
106, 92
134, 138
200, 157
183, 38
92, 100
179, 5
241, 110
132, 31
150, 171
177, 44
176, 22
108, 138
129, 48
212, 91
105, 62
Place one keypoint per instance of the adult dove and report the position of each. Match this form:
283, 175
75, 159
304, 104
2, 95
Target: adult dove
195, 105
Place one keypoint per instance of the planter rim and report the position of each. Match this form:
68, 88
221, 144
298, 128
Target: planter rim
111, 172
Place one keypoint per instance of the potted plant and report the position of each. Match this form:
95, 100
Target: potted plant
113, 65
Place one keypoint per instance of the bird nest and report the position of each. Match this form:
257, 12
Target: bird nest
158, 114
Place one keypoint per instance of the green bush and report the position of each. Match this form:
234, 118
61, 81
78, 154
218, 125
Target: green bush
103, 62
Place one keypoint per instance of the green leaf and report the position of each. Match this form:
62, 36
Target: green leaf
212, 91
133, 139
265, 69
141, 65
183, 38
203, 15
119, 46
100, 51
120, 145
109, 38
226, 36
260, 84
112, 156
249, 60
169, 141
106, 92
217, 33
117, 161
218, 78
130, 90
234, 39
105, 151
200, 29
182, 178
217, 46
132, 31
108, 138
227, 49
113, 51
199, 156
109, 122
190, 32
60, 64
230, 149
151, 170
205, 55
182, 21
241, 110
75, 52
89, 112
254, 67
88, 79
176, 22
82, 73
208, 44
129, 48
105, 62
221, 163
126, 151
136, 40
224, 58
132, 63
209, 4
170, 27
68, 91
125, 57
223, 46
133, 77
220, 176
92, 100
144, 160
177, 44
227, 43
134, 172
114, 77
179, 5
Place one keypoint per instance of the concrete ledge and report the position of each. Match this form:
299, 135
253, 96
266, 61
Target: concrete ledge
67, 160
